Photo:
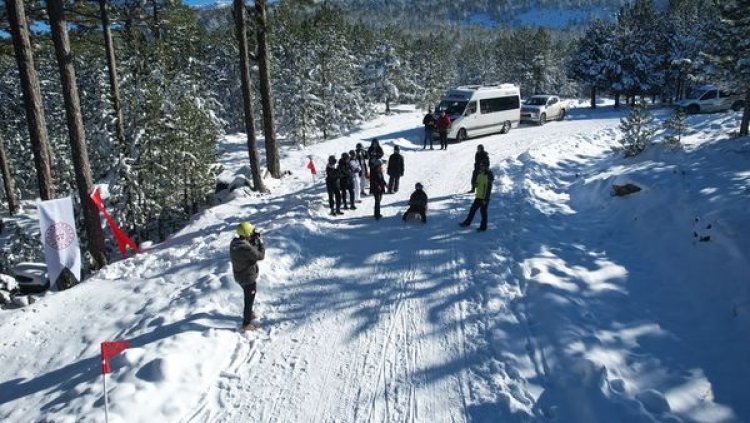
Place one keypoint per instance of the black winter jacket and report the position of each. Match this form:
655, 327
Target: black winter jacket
333, 178
418, 199
396, 165
345, 174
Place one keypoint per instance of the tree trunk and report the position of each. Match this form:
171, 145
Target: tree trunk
593, 97
247, 94
114, 85
617, 100
387, 105
10, 190
745, 114
266, 90
32, 98
157, 20
58, 25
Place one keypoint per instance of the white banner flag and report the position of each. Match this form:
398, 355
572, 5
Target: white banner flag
60, 239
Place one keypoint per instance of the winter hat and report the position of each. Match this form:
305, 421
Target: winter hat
245, 229
480, 147
359, 146
396, 148
331, 159
344, 156
418, 186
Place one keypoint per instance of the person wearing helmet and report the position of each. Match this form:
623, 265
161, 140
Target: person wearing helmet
417, 203
364, 174
245, 251
333, 186
480, 157
377, 184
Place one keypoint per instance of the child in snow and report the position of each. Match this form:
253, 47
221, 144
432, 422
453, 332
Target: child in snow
417, 203
245, 251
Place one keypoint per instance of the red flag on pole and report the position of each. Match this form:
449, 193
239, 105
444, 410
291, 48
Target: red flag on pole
109, 350
123, 241
311, 166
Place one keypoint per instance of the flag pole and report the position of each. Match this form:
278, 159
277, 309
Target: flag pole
106, 398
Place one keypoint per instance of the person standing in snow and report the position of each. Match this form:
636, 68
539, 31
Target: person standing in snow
443, 125
482, 198
356, 171
395, 169
333, 186
365, 173
377, 184
375, 152
480, 157
429, 128
417, 203
345, 175
245, 251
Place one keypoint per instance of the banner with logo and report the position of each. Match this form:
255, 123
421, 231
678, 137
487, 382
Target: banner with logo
59, 237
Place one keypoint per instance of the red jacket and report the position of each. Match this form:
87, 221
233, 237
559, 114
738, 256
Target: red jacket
444, 123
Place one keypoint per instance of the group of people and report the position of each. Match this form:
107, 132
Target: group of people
442, 124
345, 180
352, 172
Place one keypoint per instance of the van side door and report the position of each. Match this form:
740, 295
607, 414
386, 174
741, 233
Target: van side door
553, 108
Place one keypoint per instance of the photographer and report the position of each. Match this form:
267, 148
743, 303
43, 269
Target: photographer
245, 251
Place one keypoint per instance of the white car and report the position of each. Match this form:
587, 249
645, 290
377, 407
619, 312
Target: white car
31, 277
541, 108
709, 98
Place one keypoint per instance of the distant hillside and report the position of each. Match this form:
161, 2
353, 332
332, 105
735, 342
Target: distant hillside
549, 13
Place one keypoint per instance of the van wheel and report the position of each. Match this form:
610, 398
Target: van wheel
738, 105
562, 115
542, 119
693, 109
461, 136
506, 127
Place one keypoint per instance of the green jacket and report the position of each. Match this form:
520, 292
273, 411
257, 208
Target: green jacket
484, 185
245, 255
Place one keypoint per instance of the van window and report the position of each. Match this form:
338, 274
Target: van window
451, 107
709, 95
471, 108
500, 104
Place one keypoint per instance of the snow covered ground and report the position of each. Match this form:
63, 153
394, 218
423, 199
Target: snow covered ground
575, 306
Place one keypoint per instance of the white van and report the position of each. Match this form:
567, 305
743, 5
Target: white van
481, 109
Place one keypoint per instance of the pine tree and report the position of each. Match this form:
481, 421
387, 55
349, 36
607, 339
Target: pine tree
591, 57
676, 126
730, 49
637, 131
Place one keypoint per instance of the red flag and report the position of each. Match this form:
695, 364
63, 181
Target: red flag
311, 166
109, 350
123, 241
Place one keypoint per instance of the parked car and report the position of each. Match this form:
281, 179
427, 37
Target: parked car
710, 98
541, 108
31, 277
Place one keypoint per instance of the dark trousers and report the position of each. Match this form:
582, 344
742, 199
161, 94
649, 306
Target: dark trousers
482, 206
444, 140
427, 137
247, 313
393, 183
416, 210
350, 190
378, 197
334, 193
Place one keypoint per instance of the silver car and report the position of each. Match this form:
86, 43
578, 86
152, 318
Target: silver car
541, 108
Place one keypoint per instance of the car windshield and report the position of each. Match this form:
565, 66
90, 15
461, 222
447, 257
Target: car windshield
451, 107
697, 94
536, 101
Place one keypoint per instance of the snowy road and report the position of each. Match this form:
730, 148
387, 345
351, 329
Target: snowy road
379, 320
568, 309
